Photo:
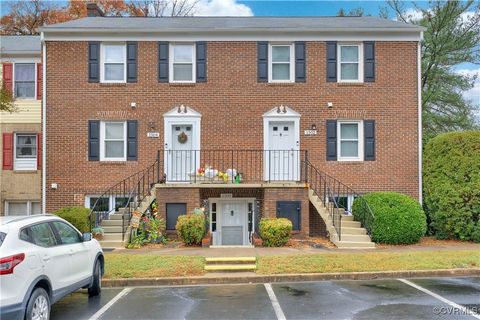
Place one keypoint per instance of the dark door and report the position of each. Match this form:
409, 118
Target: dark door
173, 211
291, 211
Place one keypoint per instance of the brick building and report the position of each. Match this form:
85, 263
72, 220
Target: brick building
272, 105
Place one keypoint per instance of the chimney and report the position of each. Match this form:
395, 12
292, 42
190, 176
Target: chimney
93, 10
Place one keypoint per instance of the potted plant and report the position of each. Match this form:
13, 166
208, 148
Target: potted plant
97, 233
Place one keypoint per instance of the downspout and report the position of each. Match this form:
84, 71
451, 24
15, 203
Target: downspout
44, 125
420, 134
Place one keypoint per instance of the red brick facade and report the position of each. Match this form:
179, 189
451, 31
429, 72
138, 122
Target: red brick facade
232, 103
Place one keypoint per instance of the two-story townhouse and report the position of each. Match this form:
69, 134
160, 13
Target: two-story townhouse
20, 169
246, 117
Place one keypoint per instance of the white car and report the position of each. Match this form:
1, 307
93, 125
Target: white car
42, 259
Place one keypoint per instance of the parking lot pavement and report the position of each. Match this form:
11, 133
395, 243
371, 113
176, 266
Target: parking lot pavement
433, 298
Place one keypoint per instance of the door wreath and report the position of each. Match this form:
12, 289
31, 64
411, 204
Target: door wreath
182, 137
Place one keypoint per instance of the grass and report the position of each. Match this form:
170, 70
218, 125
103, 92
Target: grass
151, 266
128, 265
371, 261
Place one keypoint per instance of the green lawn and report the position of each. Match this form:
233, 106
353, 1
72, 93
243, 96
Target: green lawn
128, 265
371, 261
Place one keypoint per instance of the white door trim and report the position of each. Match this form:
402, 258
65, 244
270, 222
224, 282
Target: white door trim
219, 222
181, 116
279, 114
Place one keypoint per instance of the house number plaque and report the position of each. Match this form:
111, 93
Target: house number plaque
310, 132
153, 134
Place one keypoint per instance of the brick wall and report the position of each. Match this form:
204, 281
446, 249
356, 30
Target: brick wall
232, 104
190, 196
317, 225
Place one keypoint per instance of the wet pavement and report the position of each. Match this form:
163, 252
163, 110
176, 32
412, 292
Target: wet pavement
430, 298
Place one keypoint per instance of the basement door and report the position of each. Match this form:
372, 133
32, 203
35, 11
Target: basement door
234, 223
282, 156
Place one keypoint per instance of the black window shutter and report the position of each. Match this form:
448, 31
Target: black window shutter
93, 140
132, 61
94, 61
262, 61
369, 57
300, 62
201, 48
132, 140
332, 61
369, 139
163, 61
331, 133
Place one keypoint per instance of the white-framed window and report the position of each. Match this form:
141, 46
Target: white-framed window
113, 58
105, 203
22, 208
25, 157
350, 140
281, 63
25, 78
182, 63
113, 141
350, 62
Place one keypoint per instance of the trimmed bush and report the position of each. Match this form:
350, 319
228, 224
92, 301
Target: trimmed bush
452, 185
191, 228
399, 219
78, 216
275, 232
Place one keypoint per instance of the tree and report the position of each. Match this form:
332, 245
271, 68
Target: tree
162, 8
6, 100
452, 37
355, 12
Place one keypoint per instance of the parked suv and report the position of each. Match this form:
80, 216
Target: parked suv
42, 259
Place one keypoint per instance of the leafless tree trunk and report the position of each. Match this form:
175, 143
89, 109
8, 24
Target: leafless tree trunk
162, 8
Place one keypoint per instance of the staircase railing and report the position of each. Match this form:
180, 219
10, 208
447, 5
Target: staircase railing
335, 196
131, 190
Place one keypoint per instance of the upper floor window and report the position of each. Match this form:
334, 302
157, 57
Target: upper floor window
24, 77
25, 151
113, 59
350, 140
350, 64
113, 141
281, 57
182, 66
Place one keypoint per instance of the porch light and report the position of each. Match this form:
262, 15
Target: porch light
314, 127
330, 104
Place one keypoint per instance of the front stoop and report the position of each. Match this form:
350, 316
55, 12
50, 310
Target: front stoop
353, 236
230, 264
112, 228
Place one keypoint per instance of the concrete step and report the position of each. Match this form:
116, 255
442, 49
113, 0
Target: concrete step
354, 245
346, 230
117, 216
231, 267
351, 224
112, 223
347, 218
211, 260
111, 244
355, 237
117, 236
114, 229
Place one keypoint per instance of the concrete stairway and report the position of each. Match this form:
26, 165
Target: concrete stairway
112, 228
353, 236
230, 264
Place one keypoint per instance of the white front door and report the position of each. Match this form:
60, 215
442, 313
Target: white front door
234, 223
282, 156
180, 157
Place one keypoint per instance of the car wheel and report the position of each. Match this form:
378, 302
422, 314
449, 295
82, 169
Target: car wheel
38, 307
96, 286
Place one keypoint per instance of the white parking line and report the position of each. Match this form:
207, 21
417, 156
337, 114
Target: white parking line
273, 298
438, 297
110, 303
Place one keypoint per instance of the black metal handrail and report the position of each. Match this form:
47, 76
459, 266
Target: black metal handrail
132, 190
335, 196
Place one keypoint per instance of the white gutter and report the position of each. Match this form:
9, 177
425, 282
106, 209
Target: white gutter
44, 126
420, 134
